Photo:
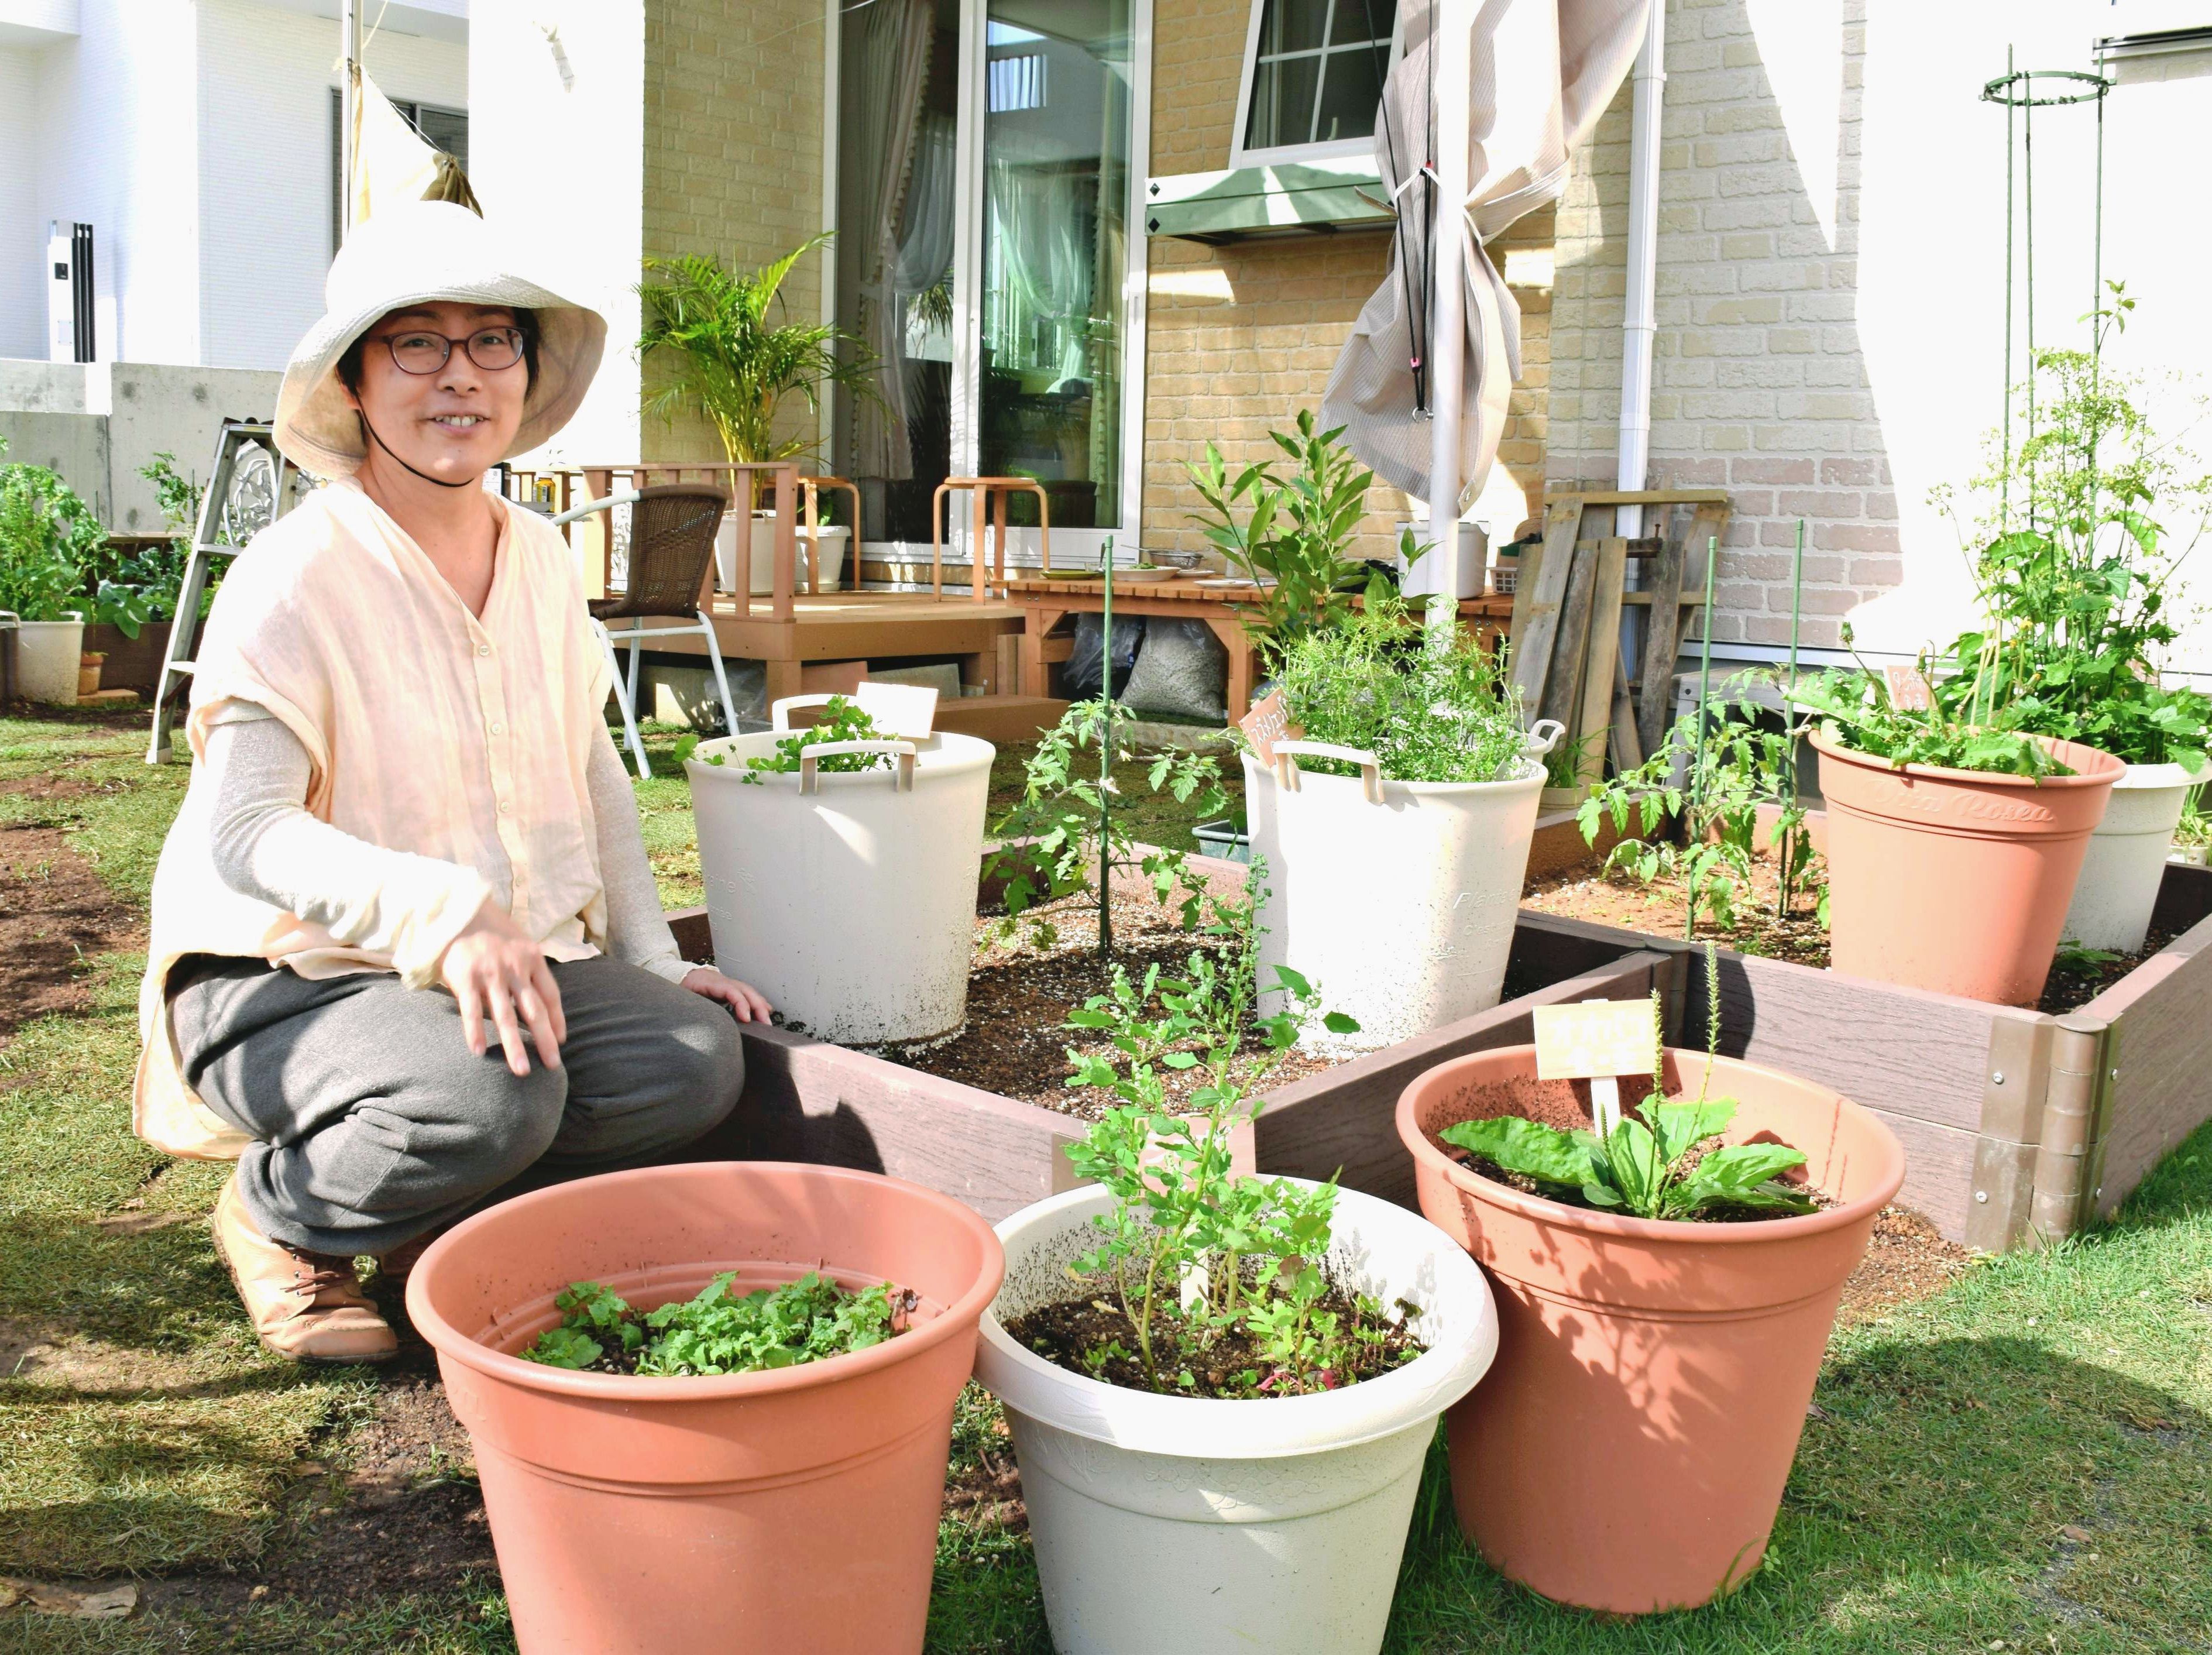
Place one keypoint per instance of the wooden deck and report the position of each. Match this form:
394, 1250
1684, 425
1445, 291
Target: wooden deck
866, 626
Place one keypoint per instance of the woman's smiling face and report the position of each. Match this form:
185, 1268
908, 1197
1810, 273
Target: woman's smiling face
455, 422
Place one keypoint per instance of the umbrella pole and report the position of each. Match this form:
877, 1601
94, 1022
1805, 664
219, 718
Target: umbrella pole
1453, 49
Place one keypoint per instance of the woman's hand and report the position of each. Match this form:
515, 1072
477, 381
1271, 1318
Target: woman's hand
495, 971
740, 997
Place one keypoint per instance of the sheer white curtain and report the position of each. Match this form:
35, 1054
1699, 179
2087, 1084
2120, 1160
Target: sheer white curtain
889, 41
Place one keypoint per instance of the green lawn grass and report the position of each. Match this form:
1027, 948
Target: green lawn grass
1961, 1442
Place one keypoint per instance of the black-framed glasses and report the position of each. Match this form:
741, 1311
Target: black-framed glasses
418, 350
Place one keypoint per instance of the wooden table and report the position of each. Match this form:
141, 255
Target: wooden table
1044, 604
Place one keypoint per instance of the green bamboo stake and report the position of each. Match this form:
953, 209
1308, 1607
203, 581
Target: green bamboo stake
1106, 760
1787, 846
1704, 697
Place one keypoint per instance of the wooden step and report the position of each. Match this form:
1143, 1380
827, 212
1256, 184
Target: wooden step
1000, 719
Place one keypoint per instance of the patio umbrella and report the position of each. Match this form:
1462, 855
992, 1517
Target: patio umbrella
1540, 73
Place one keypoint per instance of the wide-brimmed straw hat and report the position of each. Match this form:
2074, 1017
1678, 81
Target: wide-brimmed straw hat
414, 253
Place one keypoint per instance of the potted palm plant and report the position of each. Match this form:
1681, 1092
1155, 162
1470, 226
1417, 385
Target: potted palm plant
731, 361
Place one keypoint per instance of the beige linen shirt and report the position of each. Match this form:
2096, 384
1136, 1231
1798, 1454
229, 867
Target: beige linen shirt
461, 740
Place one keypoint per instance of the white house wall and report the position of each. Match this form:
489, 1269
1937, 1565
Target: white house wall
23, 232
265, 78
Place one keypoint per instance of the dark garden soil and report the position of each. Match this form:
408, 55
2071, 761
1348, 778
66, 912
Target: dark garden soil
1072, 1334
1659, 910
1015, 1041
2077, 979
55, 914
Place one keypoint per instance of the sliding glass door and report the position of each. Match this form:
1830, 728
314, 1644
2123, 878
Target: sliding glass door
984, 192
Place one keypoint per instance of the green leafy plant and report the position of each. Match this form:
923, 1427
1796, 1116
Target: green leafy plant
1295, 531
1194, 1256
158, 571
1656, 1162
1062, 840
719, 1331
1973, 720
1714, 785
2195, 827
729, 362
1428, 707
51, 546
2080, 530
841, 719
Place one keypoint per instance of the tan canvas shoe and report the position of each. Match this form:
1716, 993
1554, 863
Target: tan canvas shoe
309, 1307
392, 1268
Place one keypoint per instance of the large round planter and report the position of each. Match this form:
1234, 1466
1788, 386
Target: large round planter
848, 900
2126, 859
760, 554
1179, 1525
751, 1514
1955, 881
1396, 898
48, 657
1629, 1449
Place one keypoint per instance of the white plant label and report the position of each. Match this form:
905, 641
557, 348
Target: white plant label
1596, 1041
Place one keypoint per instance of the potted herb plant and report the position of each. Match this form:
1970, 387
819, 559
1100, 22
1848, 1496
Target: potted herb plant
729, 362
842, 866
1397, 820
712, 1404
1666, 1286
2192, 830
1955, 836
2081, 526
50, 545
1221, 1388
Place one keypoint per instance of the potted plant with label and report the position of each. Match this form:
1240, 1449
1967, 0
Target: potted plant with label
842, 862
1954, 836
1221, 1388
2081, 527
730, 363
50, 545
711, 1404
1396, 814
1666, 1277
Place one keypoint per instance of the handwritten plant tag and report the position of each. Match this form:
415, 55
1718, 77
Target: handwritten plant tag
905, 711
1265, 725
1595, 1038
1908, 689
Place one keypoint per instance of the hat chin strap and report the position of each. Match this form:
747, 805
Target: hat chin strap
468, 482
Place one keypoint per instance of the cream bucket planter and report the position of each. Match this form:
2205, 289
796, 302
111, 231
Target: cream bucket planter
848, 900
48, 654
2126, 860
1396, 898
762, 555
1180, 1525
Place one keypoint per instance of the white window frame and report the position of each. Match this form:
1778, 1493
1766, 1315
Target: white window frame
1274, 154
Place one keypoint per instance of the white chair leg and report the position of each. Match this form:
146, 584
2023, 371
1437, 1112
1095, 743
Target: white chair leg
626, 693
721, 677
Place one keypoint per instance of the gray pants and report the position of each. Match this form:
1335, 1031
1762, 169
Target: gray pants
373, 1124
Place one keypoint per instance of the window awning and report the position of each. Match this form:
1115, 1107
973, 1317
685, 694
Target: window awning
1304, 198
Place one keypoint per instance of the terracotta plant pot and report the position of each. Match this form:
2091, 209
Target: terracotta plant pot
793, 1509
1956, 881
88, 674
1628, 1449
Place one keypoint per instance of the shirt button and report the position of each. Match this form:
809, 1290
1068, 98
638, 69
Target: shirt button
504, 808
484, 649
498, 729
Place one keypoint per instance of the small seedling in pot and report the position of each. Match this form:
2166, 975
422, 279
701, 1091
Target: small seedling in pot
1650, 1164
1213, 1280
841, 719
718, 1330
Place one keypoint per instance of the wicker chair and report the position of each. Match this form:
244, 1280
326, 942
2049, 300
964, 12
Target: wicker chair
671, 545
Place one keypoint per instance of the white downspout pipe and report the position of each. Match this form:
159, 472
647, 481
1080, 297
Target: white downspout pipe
1453, 49
1640, 322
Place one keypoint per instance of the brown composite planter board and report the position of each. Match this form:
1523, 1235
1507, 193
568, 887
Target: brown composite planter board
806, 1100
2016, 1125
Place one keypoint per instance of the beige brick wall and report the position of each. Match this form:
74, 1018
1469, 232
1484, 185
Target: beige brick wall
1240, 337
734, 157
1759, 383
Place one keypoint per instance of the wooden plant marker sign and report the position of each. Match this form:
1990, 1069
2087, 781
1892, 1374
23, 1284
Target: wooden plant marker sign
1597, 1041
1908, 689
906, 711
1265, 725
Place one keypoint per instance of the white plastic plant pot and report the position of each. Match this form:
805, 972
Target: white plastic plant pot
761, 555
1181, 1526
48, 654
1396, 899
2126, 860
847, 899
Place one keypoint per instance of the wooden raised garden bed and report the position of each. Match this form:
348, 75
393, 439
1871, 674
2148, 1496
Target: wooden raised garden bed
808, 1100
2018, 1126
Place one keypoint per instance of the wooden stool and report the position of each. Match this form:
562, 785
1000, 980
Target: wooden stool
810, 488
991, 494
